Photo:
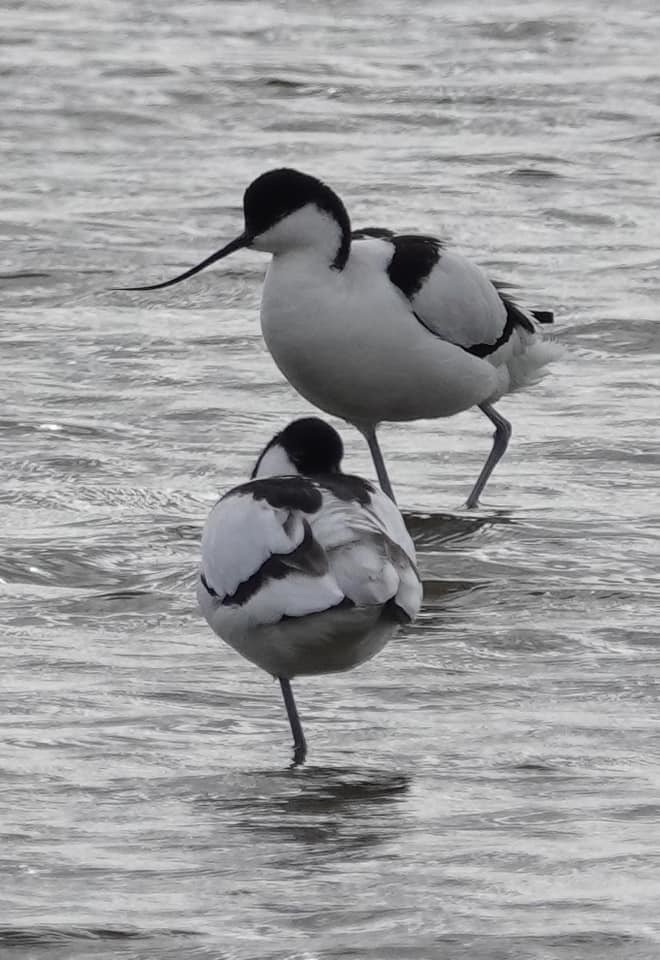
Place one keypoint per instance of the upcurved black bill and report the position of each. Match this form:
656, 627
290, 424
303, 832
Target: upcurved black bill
243, 241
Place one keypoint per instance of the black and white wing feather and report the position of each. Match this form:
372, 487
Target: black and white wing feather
449, 295
291, 546
369, 550
260, 558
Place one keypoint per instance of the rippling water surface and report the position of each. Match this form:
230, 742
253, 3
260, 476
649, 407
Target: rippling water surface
487, 787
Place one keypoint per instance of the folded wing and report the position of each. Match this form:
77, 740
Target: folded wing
369, 550
451, 296
261, 559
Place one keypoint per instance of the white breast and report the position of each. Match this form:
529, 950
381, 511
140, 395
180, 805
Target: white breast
350, 343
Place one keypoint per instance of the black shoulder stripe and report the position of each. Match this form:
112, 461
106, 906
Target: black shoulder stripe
514, 318
308, 557
347, 487
292, 493
414, 258
543, 316
515, 315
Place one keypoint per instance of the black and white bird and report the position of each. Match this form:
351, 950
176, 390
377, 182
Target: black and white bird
375, 326
306, 569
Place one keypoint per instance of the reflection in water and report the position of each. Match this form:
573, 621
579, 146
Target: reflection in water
344, 808
431, 531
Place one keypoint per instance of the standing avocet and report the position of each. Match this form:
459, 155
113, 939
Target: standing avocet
374, 326
306, 569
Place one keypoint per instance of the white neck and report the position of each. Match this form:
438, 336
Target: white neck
275, 463
307, 228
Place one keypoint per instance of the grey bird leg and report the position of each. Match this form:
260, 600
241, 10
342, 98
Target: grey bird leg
369, 434
299, 743
501, 439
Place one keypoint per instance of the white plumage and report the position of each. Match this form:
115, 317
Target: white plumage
375, 326
353, 345
306, 574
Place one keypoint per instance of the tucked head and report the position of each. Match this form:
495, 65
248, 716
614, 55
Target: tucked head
285, 209
308, 447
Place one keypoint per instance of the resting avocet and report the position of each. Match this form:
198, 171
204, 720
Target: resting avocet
374, 326
306, 569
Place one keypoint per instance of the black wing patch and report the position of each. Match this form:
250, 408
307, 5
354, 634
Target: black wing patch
308, 557
541, 316
514, 318
347, 487
292, 493
414, 258
514, 315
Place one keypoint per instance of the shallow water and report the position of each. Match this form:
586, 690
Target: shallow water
488, 786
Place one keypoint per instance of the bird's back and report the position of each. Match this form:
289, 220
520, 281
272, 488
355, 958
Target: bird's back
306, 576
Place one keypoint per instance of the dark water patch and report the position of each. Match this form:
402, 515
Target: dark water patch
620, 334
308, 789
139, 71
73, 465
219, 699
326, 790
642, 811
121, 595
16, 40
632, 451
430, 531
107, 119
126, 606
585, 945
62, 566
437, 590
650, 136
303, 125
26, 275
46, 936
41, 936
320, 807
282, 83
187, 532
513, 30
536, 767
527, 174
581, 217
579, 945
549, 770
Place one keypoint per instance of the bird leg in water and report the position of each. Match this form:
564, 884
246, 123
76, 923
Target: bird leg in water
299, 743
369, 434
501, 439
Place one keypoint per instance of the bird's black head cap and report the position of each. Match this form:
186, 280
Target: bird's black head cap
277, 193
312, 445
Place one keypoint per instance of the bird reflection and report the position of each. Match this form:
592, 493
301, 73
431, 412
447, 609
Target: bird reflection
348, 807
